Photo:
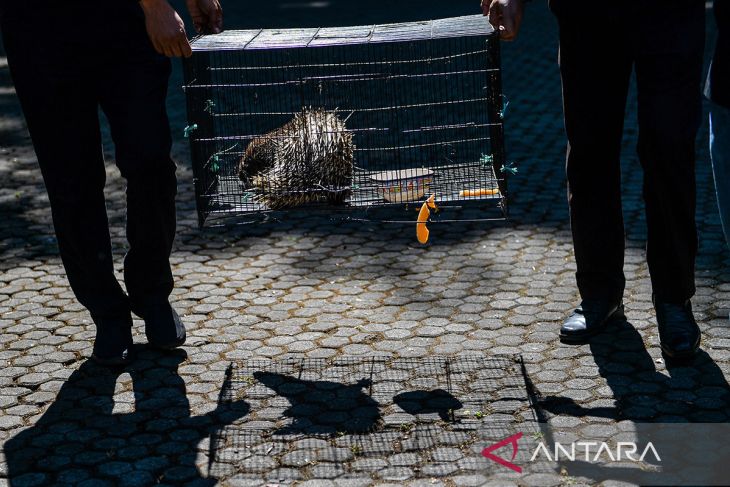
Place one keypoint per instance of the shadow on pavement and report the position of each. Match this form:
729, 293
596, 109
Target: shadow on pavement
323, 407
694, 392
86, 434
641, 393
436, 401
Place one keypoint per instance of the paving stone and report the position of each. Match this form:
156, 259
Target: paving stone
8, 401
151, 463
114, 469
469, 480
73, 476
327, 471
7, 422
96, 483
30, 479
136, 479
298, 458
446, 454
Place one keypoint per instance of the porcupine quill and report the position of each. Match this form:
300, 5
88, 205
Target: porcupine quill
307, 160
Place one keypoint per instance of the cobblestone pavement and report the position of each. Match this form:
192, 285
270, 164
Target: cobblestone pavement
260, 299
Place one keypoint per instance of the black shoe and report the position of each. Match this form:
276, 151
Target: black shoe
679, 334
163, 326
591, 317
113, 346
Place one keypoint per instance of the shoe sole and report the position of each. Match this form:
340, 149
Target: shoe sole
618, 316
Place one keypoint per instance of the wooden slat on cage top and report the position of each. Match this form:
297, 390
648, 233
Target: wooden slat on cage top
470, 25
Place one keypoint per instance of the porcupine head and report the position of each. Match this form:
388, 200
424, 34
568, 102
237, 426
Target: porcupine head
258, 156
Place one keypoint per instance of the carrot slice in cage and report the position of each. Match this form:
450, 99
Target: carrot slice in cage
478, 192
423, 215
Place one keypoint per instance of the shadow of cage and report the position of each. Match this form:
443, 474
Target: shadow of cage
375, 418
352, 117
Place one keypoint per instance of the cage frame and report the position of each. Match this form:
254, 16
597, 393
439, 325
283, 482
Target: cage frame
201, 124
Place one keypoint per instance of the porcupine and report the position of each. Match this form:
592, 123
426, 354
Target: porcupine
309, 159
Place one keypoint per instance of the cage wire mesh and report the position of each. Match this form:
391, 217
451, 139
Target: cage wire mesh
360, 417
366, 116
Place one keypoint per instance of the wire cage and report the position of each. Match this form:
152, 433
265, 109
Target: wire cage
365, 116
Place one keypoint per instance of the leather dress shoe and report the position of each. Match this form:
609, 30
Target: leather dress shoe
163, 326
113, 346
590, 318
679, 334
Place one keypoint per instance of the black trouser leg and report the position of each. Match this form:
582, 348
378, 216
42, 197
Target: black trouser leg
133, 99
597, 54
60, 107
669, 78
62, 77
595, 80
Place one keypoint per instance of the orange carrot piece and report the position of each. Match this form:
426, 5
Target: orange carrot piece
422, 233
423, 215
478, 192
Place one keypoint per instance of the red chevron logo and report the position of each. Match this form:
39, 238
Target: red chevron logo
512, 440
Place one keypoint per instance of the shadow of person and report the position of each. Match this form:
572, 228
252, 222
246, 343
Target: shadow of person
323, 407
99, 427
664, 409
437, 401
